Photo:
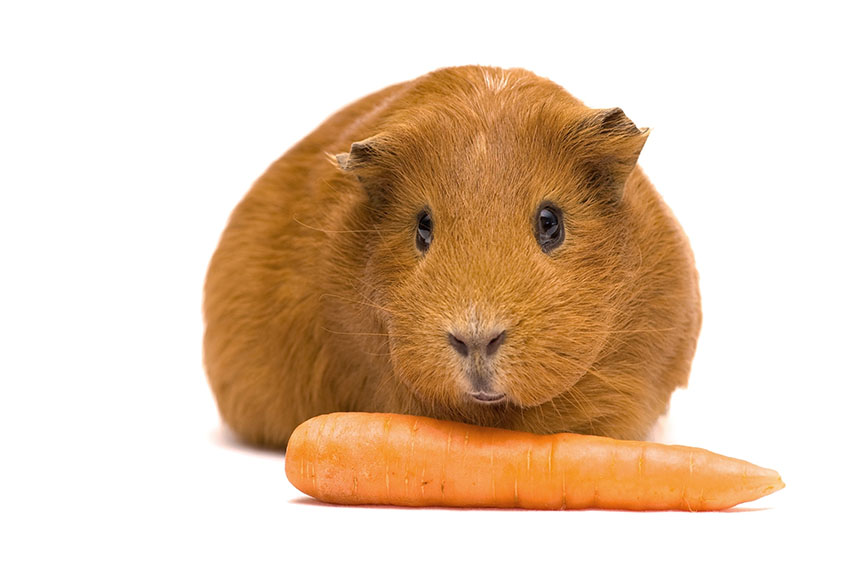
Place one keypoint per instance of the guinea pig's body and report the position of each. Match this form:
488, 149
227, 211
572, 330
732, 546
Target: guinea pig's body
475, 245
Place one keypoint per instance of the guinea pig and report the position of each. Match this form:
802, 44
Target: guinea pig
475, 245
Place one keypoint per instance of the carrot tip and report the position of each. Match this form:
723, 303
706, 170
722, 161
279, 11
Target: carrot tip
771, 483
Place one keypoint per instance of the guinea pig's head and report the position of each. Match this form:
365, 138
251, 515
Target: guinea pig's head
498, 249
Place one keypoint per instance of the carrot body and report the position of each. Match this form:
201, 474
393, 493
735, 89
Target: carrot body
360, 458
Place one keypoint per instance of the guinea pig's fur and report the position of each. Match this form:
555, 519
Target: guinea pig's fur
319, 298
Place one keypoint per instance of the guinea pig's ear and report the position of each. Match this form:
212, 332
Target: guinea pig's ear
363, 154
608, 145
370, 161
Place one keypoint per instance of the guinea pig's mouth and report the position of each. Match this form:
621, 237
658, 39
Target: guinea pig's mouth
481, 397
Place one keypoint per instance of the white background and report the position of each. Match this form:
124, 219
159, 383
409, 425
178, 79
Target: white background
129, 132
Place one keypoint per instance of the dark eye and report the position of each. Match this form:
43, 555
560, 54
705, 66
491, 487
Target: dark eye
423, 231
550, 227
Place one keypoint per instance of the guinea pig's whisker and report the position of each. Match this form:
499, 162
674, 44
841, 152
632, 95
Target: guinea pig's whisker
557, 410
398, 263
577, 402
360, 302
574, 364
566, 356
366, 299
609, 383
522, 415
626, 332
325, 230
374, 354
354, 333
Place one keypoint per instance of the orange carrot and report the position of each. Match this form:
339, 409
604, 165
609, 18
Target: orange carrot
359, 458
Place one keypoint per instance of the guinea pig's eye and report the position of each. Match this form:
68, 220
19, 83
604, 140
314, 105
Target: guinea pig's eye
423, 231
550, 227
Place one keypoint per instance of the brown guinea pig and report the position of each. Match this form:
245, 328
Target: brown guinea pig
475, 245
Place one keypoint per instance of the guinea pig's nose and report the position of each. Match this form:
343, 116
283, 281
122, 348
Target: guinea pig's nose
485, 346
